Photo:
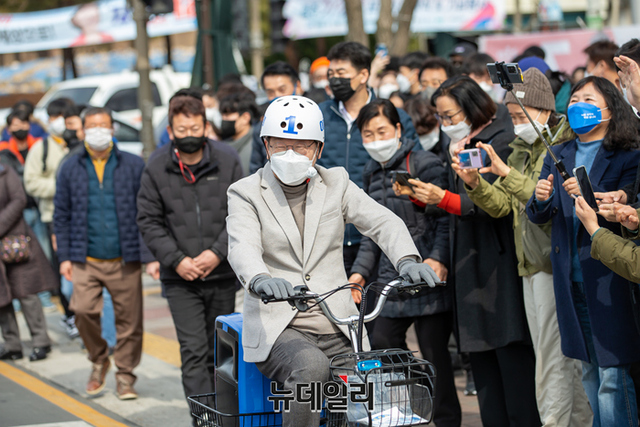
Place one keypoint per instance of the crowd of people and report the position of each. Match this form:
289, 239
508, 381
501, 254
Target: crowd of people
537, 288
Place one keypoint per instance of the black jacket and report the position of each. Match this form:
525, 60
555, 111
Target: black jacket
488, 298
430, 232
178, 219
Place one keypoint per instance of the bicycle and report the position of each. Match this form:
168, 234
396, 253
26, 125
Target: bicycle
398, 386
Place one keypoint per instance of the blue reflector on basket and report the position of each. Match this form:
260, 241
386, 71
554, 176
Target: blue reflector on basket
366, 365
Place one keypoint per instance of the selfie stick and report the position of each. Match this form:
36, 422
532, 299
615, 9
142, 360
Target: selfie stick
507, 85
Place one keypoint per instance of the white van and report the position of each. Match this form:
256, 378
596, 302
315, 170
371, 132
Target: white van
118, 92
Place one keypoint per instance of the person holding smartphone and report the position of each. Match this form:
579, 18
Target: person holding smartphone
560, 395
488, 296
430, 310
594, 305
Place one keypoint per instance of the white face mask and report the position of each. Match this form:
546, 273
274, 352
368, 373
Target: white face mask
403, 83
57, 127
527, 132
98, 139
382, 150
387, 89
214, 116
457, 132
429, 140
489, 89
321, 84
292, 168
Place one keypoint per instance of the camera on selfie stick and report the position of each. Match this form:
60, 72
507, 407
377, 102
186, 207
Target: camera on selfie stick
506, 74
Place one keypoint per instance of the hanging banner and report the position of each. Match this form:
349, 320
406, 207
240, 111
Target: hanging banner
323, 18
104, 21
564, 50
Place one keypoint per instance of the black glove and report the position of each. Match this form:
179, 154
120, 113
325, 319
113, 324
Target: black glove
417, 272
272, 287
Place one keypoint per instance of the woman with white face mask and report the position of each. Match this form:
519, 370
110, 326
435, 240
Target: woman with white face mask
558, 388
430, 310
492, 325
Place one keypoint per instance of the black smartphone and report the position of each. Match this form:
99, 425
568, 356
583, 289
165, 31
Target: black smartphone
502, 73
585, 186
402, 178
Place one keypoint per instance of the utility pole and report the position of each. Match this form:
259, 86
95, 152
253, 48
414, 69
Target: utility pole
207, 44
145, 98
257, 61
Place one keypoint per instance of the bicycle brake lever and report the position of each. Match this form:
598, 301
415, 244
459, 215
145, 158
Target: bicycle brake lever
300, 303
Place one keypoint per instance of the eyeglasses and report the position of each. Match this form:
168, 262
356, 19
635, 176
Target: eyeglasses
447, 119
431, 83
299, 147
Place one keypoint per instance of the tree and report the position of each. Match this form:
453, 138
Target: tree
397, 43
401, 40
355, 22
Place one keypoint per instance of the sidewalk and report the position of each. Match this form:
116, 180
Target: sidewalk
161, 401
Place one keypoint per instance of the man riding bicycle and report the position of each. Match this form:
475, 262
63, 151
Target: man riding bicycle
286, 225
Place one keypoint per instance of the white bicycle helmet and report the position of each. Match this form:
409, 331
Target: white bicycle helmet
293, 117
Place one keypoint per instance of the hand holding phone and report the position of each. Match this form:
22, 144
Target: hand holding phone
402, 178
470, 159
585, 186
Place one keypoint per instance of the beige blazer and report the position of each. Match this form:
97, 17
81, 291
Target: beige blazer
264, 238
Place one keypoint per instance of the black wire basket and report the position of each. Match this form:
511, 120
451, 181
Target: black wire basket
204, 414
385, 388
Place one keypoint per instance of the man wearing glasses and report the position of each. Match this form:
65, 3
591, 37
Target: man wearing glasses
285, 226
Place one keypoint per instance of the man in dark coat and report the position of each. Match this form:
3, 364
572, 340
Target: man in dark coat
349, 69
182, 206
99, 246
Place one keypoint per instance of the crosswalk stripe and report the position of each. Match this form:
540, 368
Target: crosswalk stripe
58, 398
64, 424
162, 348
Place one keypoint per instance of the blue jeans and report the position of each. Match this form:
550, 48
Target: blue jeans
108, 318
610, 390
108, 321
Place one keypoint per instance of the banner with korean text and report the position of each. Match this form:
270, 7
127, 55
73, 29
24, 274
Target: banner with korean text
104, 21
324, 18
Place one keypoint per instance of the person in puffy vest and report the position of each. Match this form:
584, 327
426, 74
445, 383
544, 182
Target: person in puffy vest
99, 246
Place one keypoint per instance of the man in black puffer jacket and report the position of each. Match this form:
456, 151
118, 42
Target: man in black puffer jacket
182, 206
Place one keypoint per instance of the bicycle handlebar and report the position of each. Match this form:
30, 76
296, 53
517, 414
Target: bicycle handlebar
303, 294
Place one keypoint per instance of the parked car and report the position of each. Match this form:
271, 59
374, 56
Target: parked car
118, 92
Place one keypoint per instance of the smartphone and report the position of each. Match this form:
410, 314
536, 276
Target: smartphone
470, 159
381, 47
503, 74
402, 178
585, 186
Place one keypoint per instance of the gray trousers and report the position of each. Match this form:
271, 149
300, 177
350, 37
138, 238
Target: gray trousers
33, 314
301, 357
